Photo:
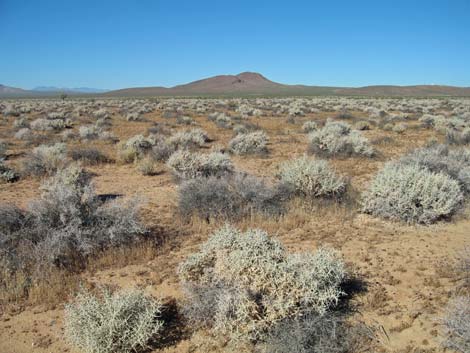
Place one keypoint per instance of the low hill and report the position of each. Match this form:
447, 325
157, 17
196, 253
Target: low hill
247, 84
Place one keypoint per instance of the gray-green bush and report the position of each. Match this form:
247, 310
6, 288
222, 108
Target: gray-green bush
311, 178
259, 283
412, 194
121, 322
338, 139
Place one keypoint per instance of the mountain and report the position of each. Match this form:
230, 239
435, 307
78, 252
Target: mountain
251, 83
243, 84
6, 91
69, 90
246, 83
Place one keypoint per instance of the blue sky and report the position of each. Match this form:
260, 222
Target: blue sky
115, 44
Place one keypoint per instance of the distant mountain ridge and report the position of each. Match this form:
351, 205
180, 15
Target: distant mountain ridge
246, 84
67, 89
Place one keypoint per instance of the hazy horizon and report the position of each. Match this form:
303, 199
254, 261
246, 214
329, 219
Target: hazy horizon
117, 44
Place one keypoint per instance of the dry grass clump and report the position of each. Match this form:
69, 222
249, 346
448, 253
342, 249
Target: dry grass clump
457, 325
249, 143
338, 139
412, 194
187, 165
45, 160
311, 178
248, 283
120, 322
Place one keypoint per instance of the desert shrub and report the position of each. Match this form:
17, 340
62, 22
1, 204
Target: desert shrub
3, 149
21, 122
134, 148
161, 151
337, 138
147, 166
412, 194
329, 333
457, 324
456, 137
90, 155
250, 143
259, 283
48, 125
7, 174
185, 164
362, 125
223, 121
134, 117
441, 159
69, 222
67, 135
311, 178
24, 134
193, 138
89, 132
309, 126
122, 322
45, 159
230, 198
184, 120
399, 128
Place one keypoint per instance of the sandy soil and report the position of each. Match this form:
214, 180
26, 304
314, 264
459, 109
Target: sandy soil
405, 269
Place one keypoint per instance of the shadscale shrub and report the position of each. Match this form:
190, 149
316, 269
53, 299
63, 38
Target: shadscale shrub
250, 143
309, 126
254, 283
311, 178
7, 174
69, 222
337, 138
441, 159
457, 324
193, 138
121, 322
185, 164
45, 160
412, 194
230, 198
